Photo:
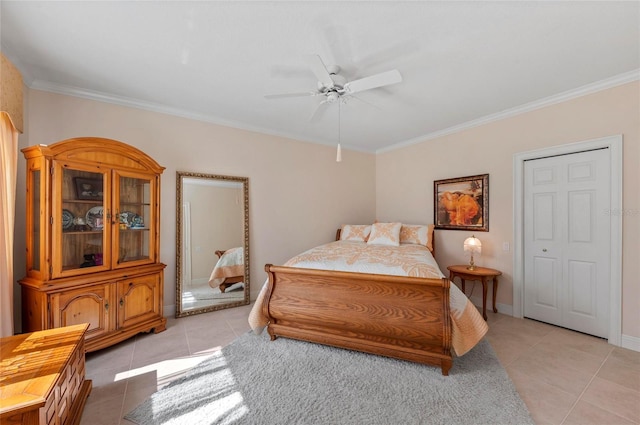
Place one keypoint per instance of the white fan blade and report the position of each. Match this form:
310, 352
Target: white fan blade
320, 71
285, 95
321, 107
378, 80
364, 101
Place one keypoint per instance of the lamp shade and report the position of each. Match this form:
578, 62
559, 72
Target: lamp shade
473, 245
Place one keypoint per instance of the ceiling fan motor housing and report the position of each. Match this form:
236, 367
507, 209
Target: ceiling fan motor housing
338, 80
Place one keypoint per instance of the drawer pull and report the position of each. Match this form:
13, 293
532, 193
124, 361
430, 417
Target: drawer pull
121, 302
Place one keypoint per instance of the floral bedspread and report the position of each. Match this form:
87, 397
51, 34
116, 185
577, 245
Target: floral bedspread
468, 326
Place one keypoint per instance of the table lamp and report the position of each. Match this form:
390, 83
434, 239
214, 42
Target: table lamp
472, 245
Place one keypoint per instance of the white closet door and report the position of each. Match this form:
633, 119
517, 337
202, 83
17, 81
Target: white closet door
567, 241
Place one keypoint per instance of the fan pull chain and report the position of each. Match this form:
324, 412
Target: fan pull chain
339, 153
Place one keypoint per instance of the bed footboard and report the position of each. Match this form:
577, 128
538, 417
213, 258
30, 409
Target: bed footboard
395, 316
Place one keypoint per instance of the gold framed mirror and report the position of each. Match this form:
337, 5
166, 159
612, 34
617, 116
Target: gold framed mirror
212, 242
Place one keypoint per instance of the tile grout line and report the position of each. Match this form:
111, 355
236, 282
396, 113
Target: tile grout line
126, 386
587, 386
186, 336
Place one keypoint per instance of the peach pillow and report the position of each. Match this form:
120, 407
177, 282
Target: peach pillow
385, 234
417, 234
355, 232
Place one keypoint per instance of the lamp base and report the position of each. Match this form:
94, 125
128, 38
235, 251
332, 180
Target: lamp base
472, 267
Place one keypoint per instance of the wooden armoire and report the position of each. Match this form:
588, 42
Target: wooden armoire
93, 240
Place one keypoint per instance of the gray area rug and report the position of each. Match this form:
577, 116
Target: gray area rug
256, 381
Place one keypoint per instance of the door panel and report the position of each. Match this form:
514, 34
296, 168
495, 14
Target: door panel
543, 290
544, 204
567, 241
582, 288
581, 206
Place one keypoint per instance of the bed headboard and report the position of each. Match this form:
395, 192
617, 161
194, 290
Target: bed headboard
433, 240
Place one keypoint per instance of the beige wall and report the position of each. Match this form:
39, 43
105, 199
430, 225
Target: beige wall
404, 179
298, 194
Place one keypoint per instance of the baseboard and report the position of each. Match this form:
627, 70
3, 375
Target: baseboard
502, 308
630, 342
199, 281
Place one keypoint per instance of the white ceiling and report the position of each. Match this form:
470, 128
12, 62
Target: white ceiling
462, 63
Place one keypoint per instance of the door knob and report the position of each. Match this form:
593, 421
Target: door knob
544, 249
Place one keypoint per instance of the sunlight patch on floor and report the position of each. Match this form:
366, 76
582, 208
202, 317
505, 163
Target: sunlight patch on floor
167, 369
222, 403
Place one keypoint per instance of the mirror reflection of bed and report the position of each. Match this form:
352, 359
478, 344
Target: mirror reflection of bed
212, 242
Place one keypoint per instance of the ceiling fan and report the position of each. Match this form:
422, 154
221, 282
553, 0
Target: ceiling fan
335, 87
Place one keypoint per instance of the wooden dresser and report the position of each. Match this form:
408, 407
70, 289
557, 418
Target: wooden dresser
42, 377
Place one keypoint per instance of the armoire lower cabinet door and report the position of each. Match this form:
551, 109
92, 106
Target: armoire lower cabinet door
90, 305
139, 299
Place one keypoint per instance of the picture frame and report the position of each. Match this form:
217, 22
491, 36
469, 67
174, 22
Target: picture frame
462, 203
88, 189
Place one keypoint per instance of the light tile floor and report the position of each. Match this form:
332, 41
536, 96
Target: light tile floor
564, 377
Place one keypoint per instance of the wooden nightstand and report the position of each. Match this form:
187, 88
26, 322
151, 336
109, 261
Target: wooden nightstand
481, 274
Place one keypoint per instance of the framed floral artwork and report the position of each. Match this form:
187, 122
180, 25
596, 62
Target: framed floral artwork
462, 203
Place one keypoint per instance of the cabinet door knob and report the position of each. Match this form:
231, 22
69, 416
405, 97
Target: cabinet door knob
121, 302
106, 306
130, 283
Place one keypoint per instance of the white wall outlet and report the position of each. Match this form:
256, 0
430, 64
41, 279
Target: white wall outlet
505, 246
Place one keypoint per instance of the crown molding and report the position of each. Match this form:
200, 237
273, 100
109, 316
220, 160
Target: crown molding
168, 110
163, 109
608, 83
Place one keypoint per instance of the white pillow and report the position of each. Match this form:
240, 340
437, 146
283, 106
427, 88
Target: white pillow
355, 232
385, 234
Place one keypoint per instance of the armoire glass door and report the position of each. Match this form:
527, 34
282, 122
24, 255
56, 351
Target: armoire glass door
134, 205
80, 219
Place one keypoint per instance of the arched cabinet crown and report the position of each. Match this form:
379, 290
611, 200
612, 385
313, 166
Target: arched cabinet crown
93, 234
98, 150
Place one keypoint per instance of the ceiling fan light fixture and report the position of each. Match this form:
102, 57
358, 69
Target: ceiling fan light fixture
332, 97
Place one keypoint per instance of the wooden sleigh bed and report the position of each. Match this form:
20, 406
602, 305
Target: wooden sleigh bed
225, 274
403, 317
